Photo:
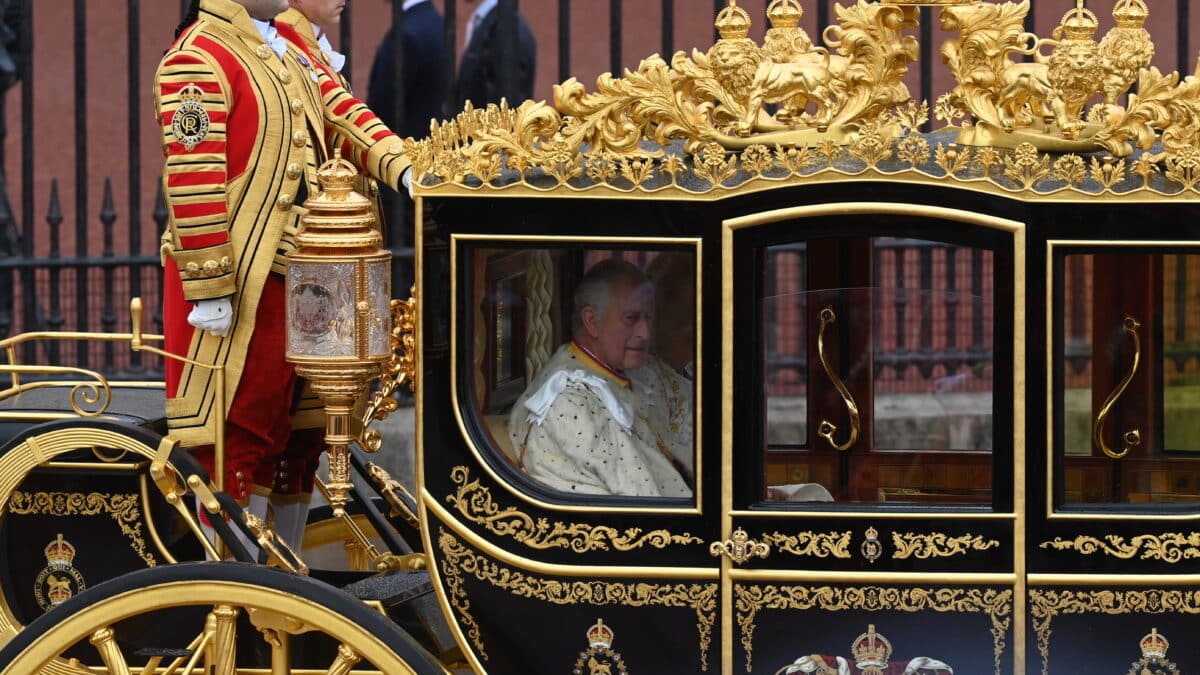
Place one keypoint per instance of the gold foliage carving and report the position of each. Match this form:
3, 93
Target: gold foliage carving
1046, 604
937, 545
125, 510
749, 600
814, 544
1171, 547
701, 122
459, 563
475, 503
400, 369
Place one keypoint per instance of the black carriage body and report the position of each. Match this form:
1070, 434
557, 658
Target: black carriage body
1005, 569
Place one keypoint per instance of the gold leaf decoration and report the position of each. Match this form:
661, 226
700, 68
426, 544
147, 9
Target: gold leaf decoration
458, 562
937, 545
475, 503
843, 96
1046, 604
124, 509
1171, 547
749, 600
813, 544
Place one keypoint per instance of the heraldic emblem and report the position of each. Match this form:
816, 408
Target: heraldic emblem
60, 580
1154, 656
599, 658
191, 122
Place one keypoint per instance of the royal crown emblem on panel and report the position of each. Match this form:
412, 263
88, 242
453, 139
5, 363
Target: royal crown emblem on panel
1080, 110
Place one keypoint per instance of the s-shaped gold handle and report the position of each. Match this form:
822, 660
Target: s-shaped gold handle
1133, 437
827, 429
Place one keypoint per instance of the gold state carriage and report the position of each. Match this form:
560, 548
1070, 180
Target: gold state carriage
948, 422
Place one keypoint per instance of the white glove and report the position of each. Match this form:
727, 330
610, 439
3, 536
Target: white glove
215, 316
406, 181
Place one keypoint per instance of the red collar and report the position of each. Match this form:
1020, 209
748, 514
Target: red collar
593, 362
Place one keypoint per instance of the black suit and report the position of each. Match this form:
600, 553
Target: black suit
479, 72
425, 85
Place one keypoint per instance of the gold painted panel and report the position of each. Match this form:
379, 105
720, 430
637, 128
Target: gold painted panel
125, 510
937, 545
475, 503
996, 604
1046, 604
1170, 547
459, 562
815, 544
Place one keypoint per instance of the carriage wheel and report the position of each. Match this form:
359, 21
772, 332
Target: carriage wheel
218, 613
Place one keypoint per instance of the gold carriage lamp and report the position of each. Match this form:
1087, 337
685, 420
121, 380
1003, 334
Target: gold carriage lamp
338, 314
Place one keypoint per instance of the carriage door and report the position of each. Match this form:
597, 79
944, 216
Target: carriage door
870, 516
1115, 519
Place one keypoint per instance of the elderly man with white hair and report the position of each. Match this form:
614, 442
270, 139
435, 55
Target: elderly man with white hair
580, 426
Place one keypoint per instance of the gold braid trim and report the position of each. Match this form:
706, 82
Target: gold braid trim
458, 562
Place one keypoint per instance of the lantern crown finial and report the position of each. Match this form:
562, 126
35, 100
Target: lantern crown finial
337, 176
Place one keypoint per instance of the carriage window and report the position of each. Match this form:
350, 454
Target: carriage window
1128, 377
878, 371
584, 365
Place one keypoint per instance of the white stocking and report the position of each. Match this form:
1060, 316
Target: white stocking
289, 523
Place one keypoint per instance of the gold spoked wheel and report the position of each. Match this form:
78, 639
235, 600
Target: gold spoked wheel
215, 619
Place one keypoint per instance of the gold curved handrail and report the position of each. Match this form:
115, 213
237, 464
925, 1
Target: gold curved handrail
827, 429
1133, 437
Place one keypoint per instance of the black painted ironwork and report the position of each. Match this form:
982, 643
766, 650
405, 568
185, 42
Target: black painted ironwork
43, 285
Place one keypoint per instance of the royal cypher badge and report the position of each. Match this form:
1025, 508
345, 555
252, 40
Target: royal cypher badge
191, 122
60, 580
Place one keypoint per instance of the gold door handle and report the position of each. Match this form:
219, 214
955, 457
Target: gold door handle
740, 548
1133, 437
827, 429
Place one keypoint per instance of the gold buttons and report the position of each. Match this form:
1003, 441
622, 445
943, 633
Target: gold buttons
300, 138
293, 171
284, 75
297, 106
284, 202
264, 51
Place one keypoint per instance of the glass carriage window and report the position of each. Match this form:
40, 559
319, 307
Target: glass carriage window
878, 371
583, 361
1127, 376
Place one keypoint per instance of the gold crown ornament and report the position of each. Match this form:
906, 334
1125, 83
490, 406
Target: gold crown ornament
599, 635
785, 13
59, 553
1154, 645
1079, 23
871, 652
1131, 13
733, 22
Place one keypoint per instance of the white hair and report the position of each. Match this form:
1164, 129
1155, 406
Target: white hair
597, 289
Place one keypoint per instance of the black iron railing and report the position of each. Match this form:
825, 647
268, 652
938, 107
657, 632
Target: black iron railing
45, 286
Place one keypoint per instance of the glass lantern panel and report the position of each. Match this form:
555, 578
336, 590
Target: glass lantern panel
379, 294
321, 309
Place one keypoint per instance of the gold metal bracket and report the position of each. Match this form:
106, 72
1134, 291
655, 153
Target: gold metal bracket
400, 369
740, 548
827, 429
1133, 437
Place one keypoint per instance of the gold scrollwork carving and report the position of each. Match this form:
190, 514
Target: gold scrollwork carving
475, 503
937, 545
1045, 604
750, 599
123, 508
843, 97
814, 544
458, 562
1170, 547
400, 369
